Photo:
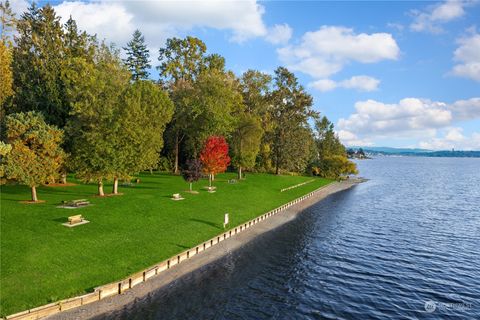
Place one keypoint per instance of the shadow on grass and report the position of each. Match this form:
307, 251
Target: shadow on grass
181, 246
209, 223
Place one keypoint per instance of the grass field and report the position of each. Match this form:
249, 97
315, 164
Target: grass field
43, 261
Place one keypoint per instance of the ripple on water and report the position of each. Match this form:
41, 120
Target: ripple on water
381, 250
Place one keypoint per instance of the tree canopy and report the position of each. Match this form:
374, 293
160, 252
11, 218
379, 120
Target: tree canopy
214, 156
245, 142
34, 156
118, 122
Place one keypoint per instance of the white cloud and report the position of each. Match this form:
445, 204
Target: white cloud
279, 34
466, 109
396, 26
436, 15
452, 138
410, 114
19, 6
468, 57
115, 21
326, 51
350, 139
323, 85
360, 83
409, 118
109, 20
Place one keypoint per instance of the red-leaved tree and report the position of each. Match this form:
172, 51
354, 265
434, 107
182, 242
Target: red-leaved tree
214, 156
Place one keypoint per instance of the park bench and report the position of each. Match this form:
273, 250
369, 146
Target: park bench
75, 219
76, 203
177, 196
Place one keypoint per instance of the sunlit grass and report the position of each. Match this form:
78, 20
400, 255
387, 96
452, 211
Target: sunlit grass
43, 261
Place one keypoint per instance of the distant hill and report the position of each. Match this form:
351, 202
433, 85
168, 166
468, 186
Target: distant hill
387, 151
392, 150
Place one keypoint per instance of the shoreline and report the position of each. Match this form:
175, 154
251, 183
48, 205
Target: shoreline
111, 297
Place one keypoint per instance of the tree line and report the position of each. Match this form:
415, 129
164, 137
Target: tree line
70, 103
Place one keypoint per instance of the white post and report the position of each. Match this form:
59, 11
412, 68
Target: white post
225, 221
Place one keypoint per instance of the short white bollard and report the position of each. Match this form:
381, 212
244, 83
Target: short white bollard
225, 221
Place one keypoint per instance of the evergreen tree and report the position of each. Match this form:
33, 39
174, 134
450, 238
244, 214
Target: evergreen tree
78, 43
331, 160
38, 60
137, 60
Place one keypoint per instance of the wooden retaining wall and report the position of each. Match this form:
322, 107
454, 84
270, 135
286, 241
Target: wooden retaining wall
121, 286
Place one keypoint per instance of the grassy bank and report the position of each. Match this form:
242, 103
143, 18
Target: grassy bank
43, 261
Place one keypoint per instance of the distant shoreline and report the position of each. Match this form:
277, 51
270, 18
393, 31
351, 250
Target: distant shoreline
116, 302
369, 153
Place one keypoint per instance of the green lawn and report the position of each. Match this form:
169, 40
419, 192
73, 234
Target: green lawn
43, 261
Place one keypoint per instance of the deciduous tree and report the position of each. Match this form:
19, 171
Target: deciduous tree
35, 156
95, 91
291, 110
6, 78
216, 101
245, 142
214, 156
192, 172
256, 91
144, 111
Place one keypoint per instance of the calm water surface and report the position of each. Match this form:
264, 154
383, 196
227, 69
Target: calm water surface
406, 241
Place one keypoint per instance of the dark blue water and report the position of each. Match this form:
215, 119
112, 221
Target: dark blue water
405, 242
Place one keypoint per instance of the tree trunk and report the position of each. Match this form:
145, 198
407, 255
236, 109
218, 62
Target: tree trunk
100, 188
239, 173
175, 170
34, 194
210, 180
115, 185
190, 187
64, 178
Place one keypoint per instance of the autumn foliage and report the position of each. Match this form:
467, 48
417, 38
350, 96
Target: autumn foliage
214, 156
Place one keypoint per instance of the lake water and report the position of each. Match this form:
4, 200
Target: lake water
405, 244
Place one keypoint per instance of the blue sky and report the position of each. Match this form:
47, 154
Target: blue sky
402, 74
